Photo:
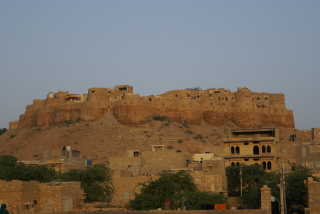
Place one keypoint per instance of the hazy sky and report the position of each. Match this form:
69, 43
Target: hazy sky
159, 45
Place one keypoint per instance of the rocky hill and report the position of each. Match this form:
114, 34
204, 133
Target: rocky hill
107, 122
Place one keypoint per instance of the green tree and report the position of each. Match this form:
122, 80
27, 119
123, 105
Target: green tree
199, 200
3, 130
253, 178
296, 191
170, 186
96, 182
10, 169
177, 188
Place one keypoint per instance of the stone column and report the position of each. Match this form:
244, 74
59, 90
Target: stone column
266, 199
313, 196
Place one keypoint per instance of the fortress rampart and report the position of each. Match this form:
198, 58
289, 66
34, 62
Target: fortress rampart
218, 107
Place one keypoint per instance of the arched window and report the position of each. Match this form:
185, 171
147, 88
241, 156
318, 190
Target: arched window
238, 164
237, 150
269, 149
269, 165
232, 149
263, 149
256, 150
232, 163
264, 165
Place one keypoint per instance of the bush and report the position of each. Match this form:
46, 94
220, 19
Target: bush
253, 178
10, 169
2, 131
160, 118
296, 191
201, 200
171, 187
70, 122
198, 137
96, 182
188, 131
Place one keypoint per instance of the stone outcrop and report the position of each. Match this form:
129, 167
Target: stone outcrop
217, 107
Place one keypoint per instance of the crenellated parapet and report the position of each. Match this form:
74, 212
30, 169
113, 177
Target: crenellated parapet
217, 107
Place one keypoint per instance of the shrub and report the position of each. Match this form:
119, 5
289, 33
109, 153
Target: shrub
202, 200
198, 137
70, 122
95, 181
2, 131
188, 131
171, 187
160, 118
176, 188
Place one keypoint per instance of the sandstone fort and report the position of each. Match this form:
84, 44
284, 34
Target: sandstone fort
194, 130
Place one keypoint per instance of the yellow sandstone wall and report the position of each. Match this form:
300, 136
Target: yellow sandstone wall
217, 107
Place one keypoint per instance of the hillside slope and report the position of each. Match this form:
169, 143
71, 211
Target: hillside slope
104, 138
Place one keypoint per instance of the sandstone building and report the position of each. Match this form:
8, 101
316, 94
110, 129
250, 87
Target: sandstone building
199, 131
252, 146
41, 198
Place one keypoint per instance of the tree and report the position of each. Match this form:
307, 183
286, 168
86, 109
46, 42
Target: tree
296, 191
177, 189
169, 187
96, 182
10, 169
201, 200
253, 178
3, 130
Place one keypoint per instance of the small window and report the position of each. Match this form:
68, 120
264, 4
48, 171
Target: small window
256, 150
263, 149
136, 154
238, 164
237, 150
292, 137
246, 159
264, 165
232, 164
232, 150
268, 149
269, 166
246, 144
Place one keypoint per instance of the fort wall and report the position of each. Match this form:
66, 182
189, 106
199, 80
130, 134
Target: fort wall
217, 107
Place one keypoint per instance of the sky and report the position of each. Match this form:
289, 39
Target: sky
159, 45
